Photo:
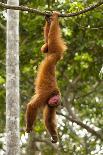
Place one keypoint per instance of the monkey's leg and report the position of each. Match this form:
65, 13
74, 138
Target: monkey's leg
31, 112
44, 48
55, 41
50, 122
46, 31
54, 36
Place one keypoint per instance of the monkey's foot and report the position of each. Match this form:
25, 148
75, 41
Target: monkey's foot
54, 139
55, 13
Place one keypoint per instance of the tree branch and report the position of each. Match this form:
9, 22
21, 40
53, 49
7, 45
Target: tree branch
90, 92
70, 94
39, 139
43, 13
92, 131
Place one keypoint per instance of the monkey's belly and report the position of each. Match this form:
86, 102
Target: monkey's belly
46, 86
46, 82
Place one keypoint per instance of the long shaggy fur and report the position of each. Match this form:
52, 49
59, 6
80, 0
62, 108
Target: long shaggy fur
45, 84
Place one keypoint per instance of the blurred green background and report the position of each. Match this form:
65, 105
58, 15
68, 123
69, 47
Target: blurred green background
79, 77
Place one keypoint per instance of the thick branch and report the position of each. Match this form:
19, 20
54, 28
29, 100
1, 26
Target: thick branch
92, 131
32, 10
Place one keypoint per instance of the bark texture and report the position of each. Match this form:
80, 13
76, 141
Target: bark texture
12, 81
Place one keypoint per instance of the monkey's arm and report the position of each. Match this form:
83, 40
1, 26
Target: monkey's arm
31, 113
49, 115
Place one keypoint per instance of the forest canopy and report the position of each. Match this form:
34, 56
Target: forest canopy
79, 76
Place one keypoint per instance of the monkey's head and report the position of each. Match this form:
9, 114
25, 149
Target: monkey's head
54, 101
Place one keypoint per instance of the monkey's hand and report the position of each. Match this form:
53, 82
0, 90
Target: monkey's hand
54, 139
28, 129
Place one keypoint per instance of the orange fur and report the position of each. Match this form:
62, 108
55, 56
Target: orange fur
44, 48
45, 84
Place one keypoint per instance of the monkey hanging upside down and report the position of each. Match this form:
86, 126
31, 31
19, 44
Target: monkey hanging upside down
47, 94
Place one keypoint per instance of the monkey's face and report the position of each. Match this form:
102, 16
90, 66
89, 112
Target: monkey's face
54, 101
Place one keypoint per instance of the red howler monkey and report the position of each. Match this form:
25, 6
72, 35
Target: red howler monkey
47, 94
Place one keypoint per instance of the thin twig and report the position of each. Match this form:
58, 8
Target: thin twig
67, 94
90, 28
90, 92
43, 13
92, 131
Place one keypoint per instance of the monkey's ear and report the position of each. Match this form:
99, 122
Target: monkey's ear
44, 48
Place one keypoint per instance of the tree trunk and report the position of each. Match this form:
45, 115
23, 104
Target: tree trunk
12, 82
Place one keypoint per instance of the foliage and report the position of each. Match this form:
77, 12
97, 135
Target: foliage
83, 59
